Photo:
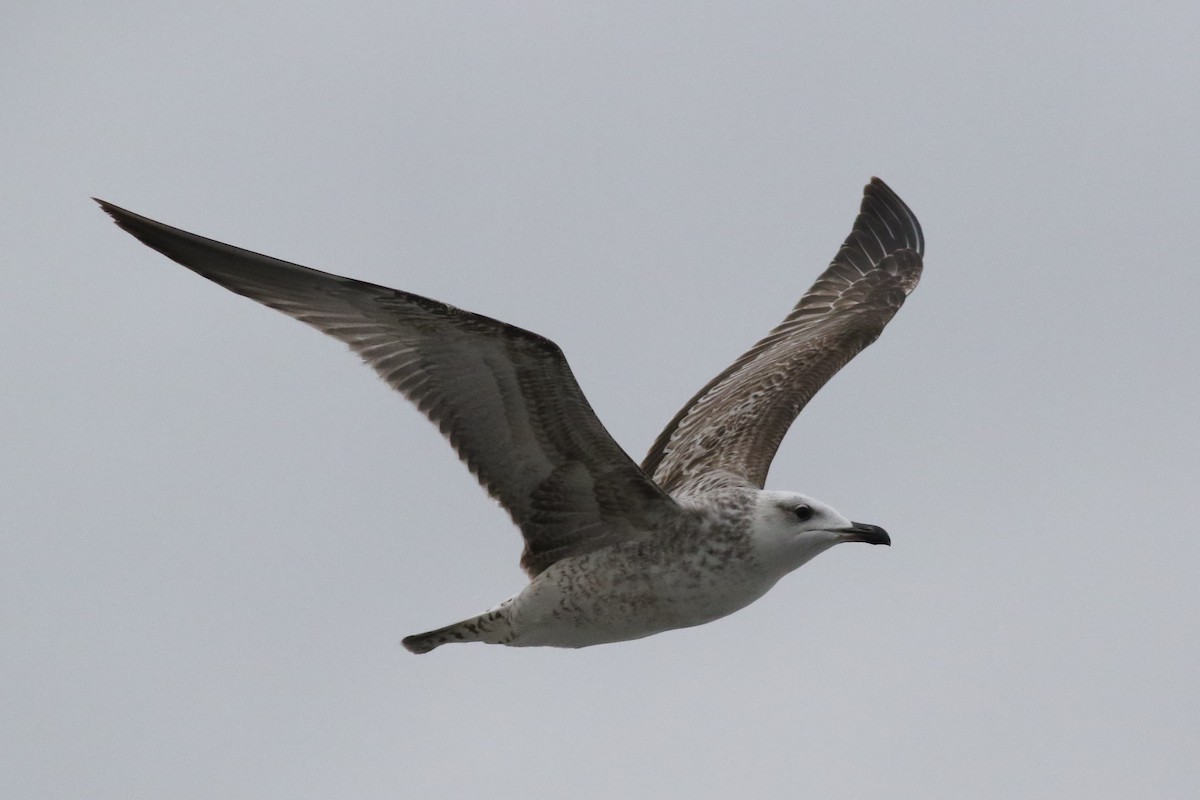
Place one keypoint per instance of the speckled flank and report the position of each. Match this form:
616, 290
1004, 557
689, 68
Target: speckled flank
700, 566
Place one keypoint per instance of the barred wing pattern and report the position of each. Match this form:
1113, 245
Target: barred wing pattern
504, 397
729, 431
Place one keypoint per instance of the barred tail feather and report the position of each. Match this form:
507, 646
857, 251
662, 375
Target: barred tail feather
491, 627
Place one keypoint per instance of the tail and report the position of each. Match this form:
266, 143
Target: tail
491, 627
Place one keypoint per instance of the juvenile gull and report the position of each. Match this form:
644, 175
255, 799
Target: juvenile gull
614, 551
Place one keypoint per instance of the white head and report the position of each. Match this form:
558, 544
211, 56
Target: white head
791, 528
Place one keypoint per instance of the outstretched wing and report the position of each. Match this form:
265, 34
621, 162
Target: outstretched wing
504, 397
729, 432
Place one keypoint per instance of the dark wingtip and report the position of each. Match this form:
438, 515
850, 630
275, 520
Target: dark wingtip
108, 207
125, 220
147, 231
881, 202
877, 187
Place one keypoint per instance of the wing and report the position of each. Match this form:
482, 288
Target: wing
729, 432
504, 397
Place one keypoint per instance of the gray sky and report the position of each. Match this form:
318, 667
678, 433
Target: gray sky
218, 525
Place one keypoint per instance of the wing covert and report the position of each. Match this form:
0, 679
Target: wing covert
730, 430
504, 397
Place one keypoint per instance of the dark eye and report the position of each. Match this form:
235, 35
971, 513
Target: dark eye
803, 513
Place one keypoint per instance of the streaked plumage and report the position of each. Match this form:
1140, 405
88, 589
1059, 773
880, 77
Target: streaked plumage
614, 551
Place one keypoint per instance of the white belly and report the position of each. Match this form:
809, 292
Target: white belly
614, 597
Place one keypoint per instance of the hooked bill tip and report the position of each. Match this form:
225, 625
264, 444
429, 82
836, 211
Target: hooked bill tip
862, 532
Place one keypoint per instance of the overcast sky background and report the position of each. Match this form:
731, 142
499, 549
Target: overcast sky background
217, 525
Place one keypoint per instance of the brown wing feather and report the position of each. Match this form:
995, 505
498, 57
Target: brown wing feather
504, 397
729, 431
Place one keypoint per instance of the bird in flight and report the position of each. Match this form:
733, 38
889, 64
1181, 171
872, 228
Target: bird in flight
614, 551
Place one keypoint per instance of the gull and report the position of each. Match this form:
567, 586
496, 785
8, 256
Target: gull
614, 551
